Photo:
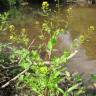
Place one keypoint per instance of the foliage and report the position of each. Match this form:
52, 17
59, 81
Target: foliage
8, 66
14, 13
45, 77
20, 38
4, 21
12, 2
40, 77
45, 8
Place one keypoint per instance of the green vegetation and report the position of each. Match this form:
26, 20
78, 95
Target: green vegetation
26, 67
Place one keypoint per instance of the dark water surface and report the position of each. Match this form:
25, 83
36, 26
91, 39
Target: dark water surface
80, 19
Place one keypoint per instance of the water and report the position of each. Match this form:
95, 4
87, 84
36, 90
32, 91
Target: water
79, 20
85, 60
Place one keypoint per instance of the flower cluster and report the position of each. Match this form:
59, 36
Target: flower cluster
45, 6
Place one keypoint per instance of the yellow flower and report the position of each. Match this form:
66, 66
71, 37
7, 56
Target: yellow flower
11, 27
82, 39
23, 30
92, 28
11, 37
45, 3
70, 8
43, 70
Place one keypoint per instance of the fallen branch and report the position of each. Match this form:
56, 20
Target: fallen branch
31, 44
28, 49
16, 77
72, 55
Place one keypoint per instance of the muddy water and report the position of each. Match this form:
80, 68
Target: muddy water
79, 20
84, 61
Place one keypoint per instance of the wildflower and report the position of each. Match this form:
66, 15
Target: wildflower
23, 30
43, 70
69, 9
92, 28
45, 5
37, 22
11, 37
82, 39
11, 27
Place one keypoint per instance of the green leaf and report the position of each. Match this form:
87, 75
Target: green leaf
21, 78
93, 77
72, 88
49, 46
54, 40
51, 43
24, 65
60, 90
